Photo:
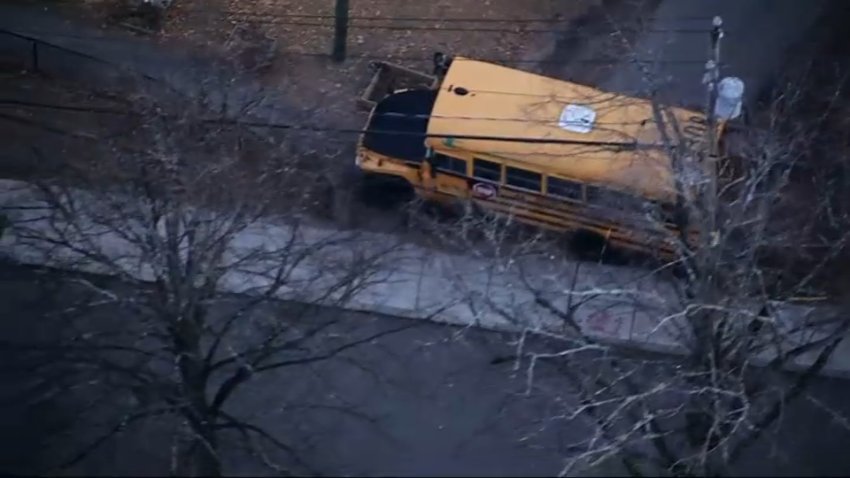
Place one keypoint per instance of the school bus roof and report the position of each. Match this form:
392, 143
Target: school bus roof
616, 140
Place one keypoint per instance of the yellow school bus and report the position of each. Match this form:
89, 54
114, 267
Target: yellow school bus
551, 153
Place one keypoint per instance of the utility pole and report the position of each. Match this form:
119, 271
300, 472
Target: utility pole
340, 30
711, 80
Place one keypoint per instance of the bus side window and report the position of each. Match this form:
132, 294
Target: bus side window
487, 170
449, 164
523, 179
563, 188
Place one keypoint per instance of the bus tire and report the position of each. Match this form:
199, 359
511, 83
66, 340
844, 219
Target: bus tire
384, 191
591, 246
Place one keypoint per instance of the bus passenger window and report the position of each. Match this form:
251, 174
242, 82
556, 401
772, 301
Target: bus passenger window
563, 188
520, 178
487, 170
449, 164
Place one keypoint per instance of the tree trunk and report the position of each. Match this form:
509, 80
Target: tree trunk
197, 453
200, 457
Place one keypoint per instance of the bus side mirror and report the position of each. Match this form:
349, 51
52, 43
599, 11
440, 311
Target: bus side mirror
441, 64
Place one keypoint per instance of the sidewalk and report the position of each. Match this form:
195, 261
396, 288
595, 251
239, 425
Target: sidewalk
622, 306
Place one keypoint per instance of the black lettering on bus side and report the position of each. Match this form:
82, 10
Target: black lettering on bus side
695, 131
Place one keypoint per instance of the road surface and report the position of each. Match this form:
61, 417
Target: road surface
759, 35
441, 408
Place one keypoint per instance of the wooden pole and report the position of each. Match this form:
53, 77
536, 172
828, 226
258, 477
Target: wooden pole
340, 30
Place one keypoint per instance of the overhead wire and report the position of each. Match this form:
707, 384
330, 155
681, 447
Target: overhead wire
146, 76
630, 145
591, 61
443, 19
608, 98
451, 29
104, 110
397, 19
364, 56
297, 127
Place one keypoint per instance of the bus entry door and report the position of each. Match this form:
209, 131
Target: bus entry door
441, 183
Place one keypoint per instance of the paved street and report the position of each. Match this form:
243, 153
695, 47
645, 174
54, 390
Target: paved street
759, 34
439, 406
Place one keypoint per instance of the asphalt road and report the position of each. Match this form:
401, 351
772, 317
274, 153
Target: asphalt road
674, 38
424, 402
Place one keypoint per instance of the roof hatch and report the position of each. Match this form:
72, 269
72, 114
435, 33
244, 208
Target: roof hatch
577, 118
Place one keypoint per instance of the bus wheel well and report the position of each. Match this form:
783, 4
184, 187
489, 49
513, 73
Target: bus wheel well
592, 246
385, 190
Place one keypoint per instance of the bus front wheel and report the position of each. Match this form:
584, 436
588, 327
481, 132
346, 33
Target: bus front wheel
385, 191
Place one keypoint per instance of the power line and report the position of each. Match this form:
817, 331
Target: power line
594, 61
628, 144
105, 110
454, 29
620, 145
603, 100
442, 19
53, 106
80, 54
399, 19
601, 97
484, 118
389, 28
49, 33
364, 56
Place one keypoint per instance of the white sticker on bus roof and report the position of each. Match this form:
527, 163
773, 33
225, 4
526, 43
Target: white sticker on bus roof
577, 118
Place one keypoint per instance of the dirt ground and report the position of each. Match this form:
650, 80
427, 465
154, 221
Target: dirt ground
300, 33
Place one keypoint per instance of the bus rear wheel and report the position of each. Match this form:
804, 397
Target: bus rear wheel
591, 246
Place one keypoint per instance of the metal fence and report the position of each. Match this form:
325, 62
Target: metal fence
21, 52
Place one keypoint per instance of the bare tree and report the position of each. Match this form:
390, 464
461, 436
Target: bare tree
721, 310
185, 207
